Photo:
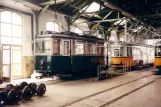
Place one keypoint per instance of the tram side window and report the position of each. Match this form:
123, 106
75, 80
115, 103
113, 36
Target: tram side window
90, 49
79, 48
100, 50
56, 47
129, 51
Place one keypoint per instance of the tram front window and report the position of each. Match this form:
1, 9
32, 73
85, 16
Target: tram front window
116, 52
155, 51
42, 47
158, 51
122, 51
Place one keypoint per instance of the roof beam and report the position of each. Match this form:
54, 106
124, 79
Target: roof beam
127, 14
68, 1
45, 8
53, 2
111, 6
96, 25
79, 14
155, 21
90, 12
152, 15
82, 5
108, 20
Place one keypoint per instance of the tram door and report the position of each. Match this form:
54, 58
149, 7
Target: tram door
11, 63
16, 62
6, 62
66, 47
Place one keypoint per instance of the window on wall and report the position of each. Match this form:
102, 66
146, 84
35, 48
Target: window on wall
11, 28
52, 26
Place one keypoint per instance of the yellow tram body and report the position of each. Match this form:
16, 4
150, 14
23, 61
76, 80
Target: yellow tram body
120, 62
125, 55
157, 61
121, 56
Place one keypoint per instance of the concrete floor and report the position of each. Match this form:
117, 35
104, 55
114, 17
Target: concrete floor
62, 93
46, 80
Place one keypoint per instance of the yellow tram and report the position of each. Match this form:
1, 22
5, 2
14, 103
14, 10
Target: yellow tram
129, 55
157, 59
121, 56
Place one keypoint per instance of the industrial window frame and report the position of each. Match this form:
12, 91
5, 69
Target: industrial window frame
12, 24
23, 13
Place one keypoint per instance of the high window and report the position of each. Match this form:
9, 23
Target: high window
10, 28
52, 26
93, 7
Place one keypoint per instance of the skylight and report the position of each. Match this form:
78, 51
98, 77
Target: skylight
93, 7
117, 22
120, 22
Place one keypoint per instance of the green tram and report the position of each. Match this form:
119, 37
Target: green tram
63, 54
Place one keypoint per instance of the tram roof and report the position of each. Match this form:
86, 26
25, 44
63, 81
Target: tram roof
130, 44
158, 43
71, 36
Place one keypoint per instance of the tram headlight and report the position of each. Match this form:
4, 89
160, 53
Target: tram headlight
42, 65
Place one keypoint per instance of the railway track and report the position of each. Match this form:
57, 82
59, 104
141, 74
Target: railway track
124, 95
109, 89
134, 72
62, 81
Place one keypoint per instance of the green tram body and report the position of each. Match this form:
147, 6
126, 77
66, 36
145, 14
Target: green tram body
59, 64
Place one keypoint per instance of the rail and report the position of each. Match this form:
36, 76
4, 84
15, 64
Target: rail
112, 88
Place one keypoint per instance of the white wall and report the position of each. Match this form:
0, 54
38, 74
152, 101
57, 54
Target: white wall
49, 17
27, 39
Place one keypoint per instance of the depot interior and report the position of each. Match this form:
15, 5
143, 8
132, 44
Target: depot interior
21, 21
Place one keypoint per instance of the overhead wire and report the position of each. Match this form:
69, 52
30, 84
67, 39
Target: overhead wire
56, 17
